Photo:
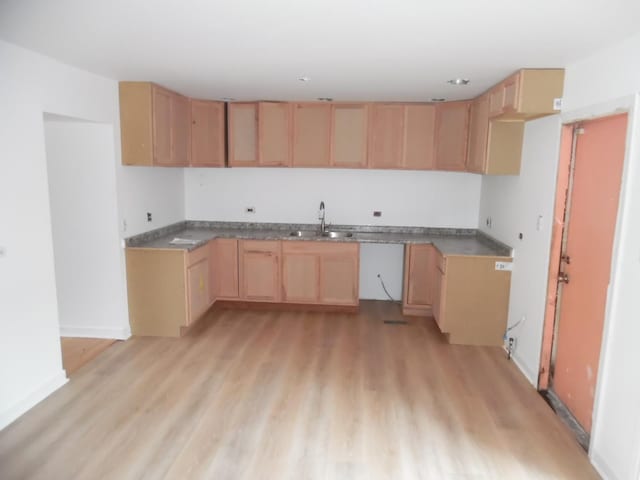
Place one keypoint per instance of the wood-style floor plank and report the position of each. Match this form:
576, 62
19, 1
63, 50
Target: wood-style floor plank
291, 395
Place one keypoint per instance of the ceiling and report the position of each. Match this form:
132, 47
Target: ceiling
403, 50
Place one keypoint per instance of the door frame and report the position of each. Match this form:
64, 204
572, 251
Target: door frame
623, 105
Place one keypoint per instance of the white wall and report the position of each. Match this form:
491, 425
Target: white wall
84, 221
606, 82
514, 205
31, 85
436, 199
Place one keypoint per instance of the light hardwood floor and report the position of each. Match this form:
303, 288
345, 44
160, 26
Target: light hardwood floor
290, 395
77, 352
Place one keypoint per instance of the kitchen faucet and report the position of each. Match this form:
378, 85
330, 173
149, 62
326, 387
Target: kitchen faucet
323, 225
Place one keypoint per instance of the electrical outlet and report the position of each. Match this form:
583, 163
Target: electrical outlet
488, 222
149, 217
250, 209
124, 225
377, 213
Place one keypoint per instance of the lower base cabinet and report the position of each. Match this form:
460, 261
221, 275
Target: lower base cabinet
168, 290
418, 291
321, 273
259, 267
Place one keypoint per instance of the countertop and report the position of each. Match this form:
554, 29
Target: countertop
449, 241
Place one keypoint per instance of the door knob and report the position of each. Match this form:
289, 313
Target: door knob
563, 277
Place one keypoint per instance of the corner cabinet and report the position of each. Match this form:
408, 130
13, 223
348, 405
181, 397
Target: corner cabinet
168, 290
155, 126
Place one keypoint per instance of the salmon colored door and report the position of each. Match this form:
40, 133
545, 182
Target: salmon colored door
592, 209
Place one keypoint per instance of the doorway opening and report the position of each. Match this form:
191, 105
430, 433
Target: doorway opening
587, 196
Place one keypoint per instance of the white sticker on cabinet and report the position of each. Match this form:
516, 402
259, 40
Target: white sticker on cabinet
504, 266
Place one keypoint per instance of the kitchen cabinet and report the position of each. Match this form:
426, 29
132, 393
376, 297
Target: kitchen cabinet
207, 134
471, 298
224, 269
168, 289
243, 134
527, 94
419, 137
311, 134
386, 135
259, 269
495, 145
155, 125
451, 135
274, 134
417, 297
320, 273
349, 134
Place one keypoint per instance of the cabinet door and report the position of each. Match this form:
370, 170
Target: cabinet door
243, 134
386, 136
274, 134
349, 135
300, 274
260, 271
339, 279
452, 128
224, 268
496, 100
207, 134
311, 135
180, 130
198, 289
420, 123
478, 135
419, 286
510, 93
161, 126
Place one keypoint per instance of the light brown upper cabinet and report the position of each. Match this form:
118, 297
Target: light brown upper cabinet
243, 134
419, 132
527, 94
495, 146
349, 123
386, 135
207, 134
274, 134
311, 134
452, 128
155, 125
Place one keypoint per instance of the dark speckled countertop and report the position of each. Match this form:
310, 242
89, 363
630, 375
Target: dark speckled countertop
450, 241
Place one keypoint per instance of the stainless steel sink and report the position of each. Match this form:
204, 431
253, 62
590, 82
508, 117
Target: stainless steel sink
315, 234
331, 234
304, 234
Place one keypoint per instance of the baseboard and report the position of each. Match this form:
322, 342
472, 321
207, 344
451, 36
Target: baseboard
532, 377
601, 466
31, 400
95, 332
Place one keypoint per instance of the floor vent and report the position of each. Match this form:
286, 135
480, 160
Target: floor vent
396, 322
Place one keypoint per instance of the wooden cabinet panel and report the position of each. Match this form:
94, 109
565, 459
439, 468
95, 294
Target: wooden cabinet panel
452, 127
161, 126
198, 289
274, 134
419, 131
339, 280
260, 270
349, 135
478, 134
300, 275
224, 268
437, 281
243, 134
136, 124
311, 134
386, 136
504, 147
180, 130
207, 134
418, 285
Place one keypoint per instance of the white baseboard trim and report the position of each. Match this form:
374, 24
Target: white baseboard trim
533, 378
601, 466
31, 400
95, 332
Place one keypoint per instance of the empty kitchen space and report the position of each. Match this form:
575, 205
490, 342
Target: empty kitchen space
319, 240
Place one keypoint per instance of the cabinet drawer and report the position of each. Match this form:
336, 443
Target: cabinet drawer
319, 248
261, 246
197, 255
